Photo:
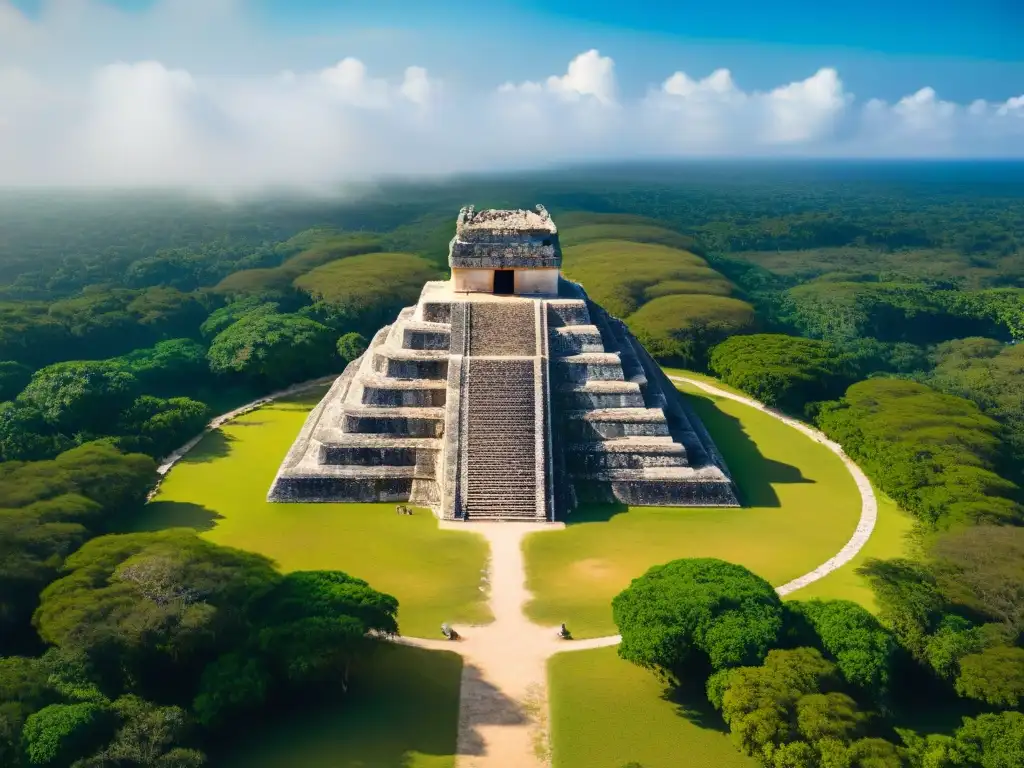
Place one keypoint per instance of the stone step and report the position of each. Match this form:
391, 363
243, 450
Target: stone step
436, 311
575, 339
501, 479
599, 394
420, 335
606, 423
595, 457
412, 422
664, 486
410, 363
336, 436
389, 392
502, 329
330, 484
367, 456
587, 366
563, 312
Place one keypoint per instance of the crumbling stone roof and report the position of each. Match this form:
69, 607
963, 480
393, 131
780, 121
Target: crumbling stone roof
501, 239
506, 222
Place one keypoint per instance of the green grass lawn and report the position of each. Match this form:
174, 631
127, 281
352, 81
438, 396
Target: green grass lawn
605, 713
888, 540
220, 489
800, 508
703, 377
402, 712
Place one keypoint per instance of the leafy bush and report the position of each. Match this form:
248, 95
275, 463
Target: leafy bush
935, 454
272, 350
366, 292
351, 346
681, 329
617, 274
702, 610
782, 371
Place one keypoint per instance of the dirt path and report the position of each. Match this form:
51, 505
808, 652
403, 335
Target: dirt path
502, 706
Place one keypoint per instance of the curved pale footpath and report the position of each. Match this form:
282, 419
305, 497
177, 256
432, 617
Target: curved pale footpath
502, 703
868, 503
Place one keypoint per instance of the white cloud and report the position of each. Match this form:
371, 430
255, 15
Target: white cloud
589, 75
714, 113
172, 120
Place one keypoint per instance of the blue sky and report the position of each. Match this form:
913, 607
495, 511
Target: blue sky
965, 49
883, 48
309, 92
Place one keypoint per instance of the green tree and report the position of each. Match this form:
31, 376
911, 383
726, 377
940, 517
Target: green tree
168, 368
148, 736
14, 377
316, 625
719, 612
55, 506
231, 685
273, 350
80, 396
935, 454
60, 734
787, 711
220, 319
982, 568
852, 637
156, 427
151, 607
24, 689
26, 436
994, 676
910, 602
782, 371
351, 346
993, 740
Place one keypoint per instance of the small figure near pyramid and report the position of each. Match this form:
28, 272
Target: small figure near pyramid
505, 393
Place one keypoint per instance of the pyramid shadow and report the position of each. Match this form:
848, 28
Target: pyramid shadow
486, 706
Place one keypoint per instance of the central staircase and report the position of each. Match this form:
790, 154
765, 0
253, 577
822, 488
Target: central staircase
502, 440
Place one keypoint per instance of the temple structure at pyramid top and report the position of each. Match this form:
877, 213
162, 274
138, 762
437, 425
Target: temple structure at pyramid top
504, 393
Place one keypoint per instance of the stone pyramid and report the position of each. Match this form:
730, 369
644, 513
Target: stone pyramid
504, 393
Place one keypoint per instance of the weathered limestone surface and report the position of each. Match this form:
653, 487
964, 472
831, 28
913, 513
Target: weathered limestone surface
504, 240
535, 406
504, 407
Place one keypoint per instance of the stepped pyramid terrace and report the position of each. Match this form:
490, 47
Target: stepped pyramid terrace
504, 393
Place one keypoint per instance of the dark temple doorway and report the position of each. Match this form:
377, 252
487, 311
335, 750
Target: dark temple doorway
504, 281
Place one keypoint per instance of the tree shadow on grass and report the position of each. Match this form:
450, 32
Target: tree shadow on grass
214, 445
402, 702
691, 702
159, 515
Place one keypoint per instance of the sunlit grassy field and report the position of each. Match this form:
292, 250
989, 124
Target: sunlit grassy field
606, 713
220, 489
403, 713
888, 540
800, 507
